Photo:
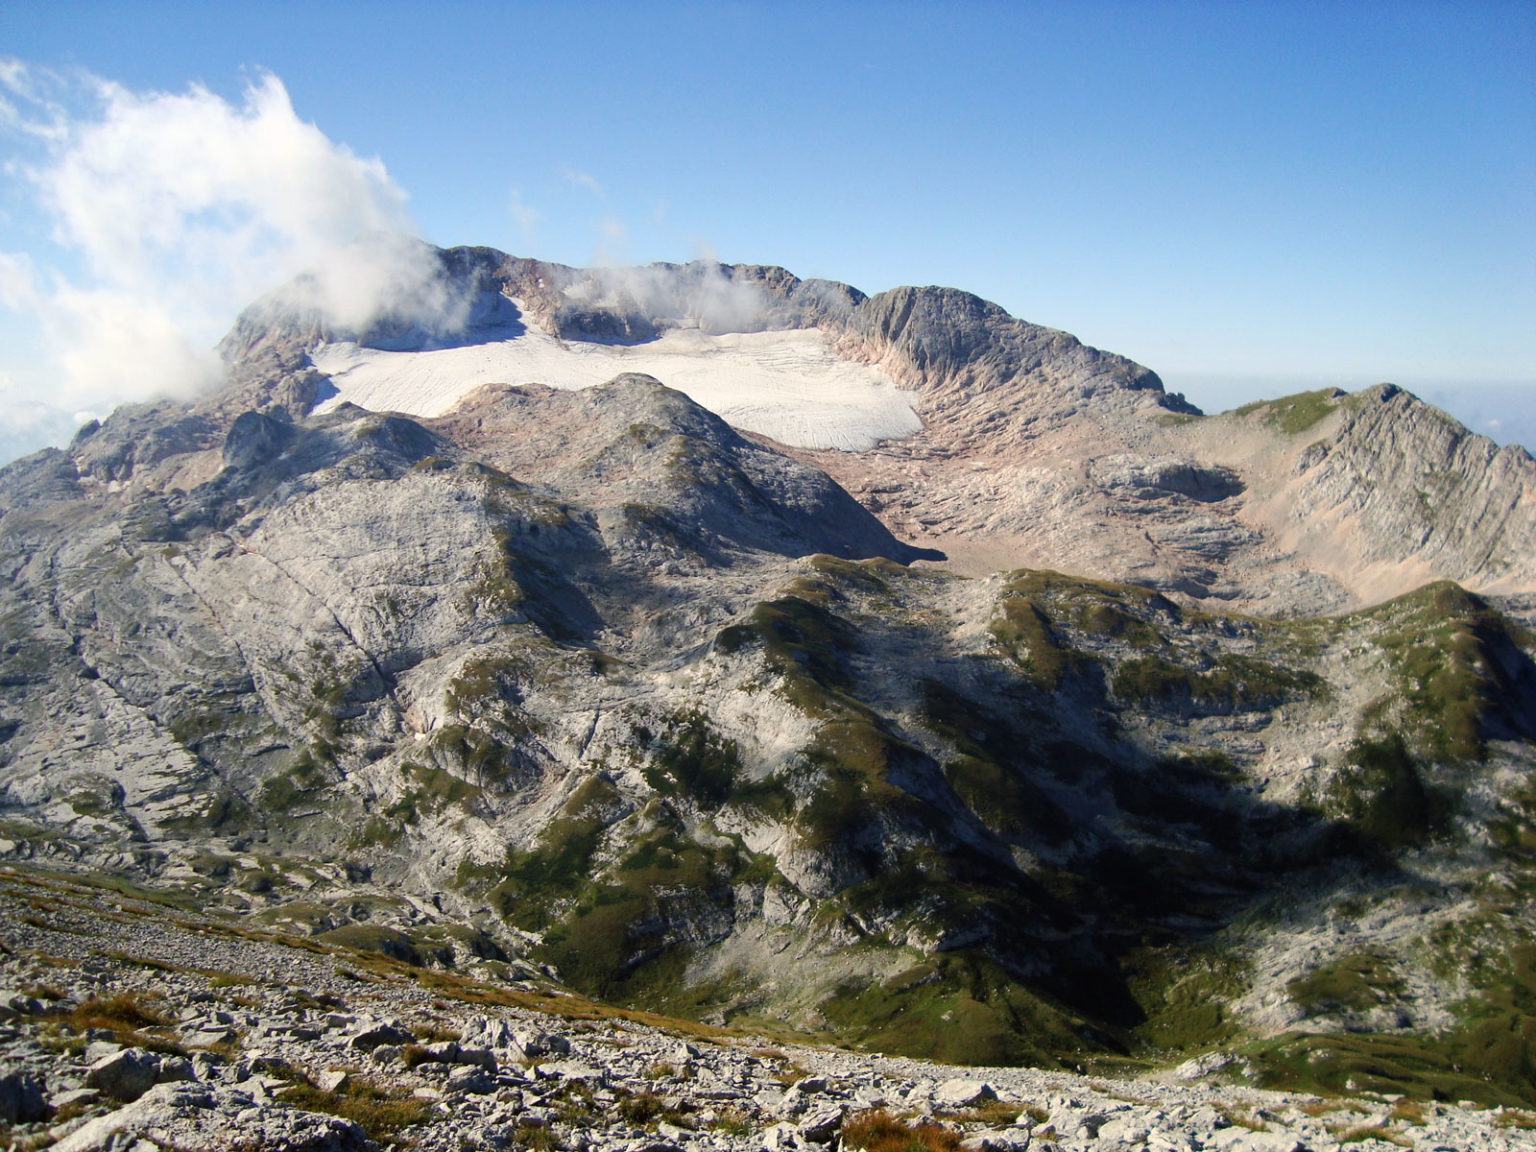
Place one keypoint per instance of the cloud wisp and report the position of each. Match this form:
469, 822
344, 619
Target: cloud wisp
165, 214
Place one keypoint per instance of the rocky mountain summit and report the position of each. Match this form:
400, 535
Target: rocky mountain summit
1033, 450
1017, 739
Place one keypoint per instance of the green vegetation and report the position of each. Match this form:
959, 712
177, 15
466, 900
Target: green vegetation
1454, 1067
1038, 617
853, 792
1042, 582
1296, 413
1185, 993
1513, 829
281, 793
374, 938
957, 1007
990, 774
1231, 684
429, 791
226, 810
1354, 983
868, 576
615, 941
487, 680
531, 882
1026, 631
806, 644
191, 729
479, 755
1490, 1057
693, 760
1382, 795
1465, 670
383, 1113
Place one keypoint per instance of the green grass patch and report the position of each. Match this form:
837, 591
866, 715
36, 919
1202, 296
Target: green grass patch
693, 760
958, 1008
374, 938
1358, 982
382, 1112
1185, 993
430, 790
1231, 683
1465, 671
804, 642
1295, 413
1382, 796
1026, 631
285, 791
1445, 1068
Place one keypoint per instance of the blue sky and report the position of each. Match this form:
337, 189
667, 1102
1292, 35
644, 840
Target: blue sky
1249, 198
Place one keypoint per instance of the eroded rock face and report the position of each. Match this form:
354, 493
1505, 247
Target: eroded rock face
1418, 488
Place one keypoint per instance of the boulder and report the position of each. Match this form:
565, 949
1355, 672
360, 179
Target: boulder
371, 1037
963, 1094
125, 1075
22, 1099
821, 1122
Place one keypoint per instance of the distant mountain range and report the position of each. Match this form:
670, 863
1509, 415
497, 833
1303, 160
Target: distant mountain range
747, 647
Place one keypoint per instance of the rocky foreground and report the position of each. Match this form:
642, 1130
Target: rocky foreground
127, 1023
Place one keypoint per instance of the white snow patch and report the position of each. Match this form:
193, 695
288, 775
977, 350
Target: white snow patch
786, 384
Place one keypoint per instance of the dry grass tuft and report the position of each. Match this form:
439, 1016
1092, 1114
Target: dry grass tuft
1375, 1132
879, 1131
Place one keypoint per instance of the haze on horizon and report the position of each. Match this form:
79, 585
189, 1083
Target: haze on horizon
1250, 200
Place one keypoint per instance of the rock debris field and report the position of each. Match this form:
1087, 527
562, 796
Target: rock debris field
128, 1024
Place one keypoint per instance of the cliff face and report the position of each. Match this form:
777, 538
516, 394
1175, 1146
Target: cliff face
1418, 488
984, 376
590, 675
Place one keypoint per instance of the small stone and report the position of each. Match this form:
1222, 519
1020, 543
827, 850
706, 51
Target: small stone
209, 1037
484, 1032
331, 1080
780, 1138
17, 1003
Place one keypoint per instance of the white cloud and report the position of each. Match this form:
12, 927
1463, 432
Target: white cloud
169, 213
582, 179
527, 217
698, 294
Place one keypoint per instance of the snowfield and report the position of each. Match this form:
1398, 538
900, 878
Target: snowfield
786, 384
